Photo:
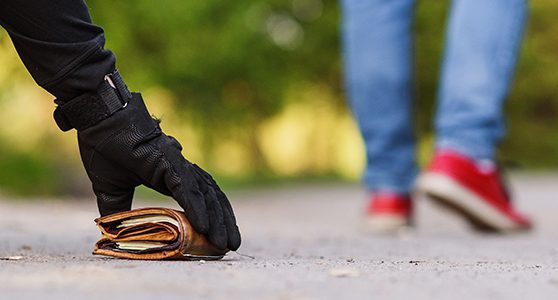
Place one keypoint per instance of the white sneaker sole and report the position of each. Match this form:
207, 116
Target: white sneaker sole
385, 224
449, 193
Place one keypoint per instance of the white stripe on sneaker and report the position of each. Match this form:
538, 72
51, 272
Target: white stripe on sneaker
385, 223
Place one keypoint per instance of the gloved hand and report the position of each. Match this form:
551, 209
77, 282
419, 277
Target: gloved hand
127, 148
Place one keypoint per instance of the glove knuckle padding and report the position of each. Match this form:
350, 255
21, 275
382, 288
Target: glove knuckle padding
233, 234
183, 184
217, 231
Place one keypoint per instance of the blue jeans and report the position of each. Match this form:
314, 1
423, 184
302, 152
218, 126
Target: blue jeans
482, 41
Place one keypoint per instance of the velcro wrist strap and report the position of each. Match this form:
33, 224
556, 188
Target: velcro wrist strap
88, 109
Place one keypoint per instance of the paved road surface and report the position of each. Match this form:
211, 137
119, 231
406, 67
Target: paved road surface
307, 245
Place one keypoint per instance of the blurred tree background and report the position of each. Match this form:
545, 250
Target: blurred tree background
253, 90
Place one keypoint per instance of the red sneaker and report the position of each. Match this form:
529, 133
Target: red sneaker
474, 190
387, 212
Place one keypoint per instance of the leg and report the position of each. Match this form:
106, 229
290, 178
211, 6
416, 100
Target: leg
58, 44
482, 44
377, 54
483, 39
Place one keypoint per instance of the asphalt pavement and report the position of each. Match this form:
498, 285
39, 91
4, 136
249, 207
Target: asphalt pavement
305, 242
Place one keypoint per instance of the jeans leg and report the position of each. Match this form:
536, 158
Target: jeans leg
483, 39
377, 55
58, 44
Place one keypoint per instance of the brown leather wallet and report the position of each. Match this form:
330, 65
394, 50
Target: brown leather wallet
153, 234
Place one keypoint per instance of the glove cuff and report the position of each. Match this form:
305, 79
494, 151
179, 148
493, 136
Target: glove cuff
90, 108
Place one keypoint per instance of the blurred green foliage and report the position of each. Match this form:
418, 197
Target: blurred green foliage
27, 173
229, 64
233, 66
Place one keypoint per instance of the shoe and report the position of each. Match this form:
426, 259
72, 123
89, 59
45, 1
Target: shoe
388, 212
472, 189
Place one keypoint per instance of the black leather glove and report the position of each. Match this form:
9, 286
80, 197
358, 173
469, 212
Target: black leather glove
122, 146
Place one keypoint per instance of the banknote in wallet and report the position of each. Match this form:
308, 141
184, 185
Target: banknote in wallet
153, 234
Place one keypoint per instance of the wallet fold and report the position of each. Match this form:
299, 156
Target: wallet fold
153, 234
